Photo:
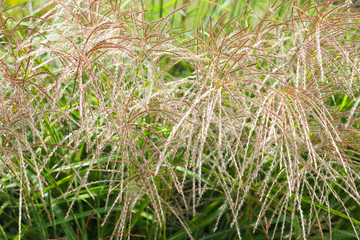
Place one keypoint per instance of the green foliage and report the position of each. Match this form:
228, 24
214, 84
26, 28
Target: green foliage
179, 120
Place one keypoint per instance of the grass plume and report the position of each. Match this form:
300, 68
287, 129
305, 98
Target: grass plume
115, 126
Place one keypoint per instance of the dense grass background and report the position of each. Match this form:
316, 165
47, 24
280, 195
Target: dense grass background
151, 120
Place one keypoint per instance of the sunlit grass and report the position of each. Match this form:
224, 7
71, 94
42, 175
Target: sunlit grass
156, 120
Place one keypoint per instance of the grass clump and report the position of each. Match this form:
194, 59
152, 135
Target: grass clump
115, 125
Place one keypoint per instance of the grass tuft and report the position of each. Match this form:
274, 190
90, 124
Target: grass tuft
116, 125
